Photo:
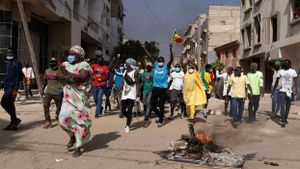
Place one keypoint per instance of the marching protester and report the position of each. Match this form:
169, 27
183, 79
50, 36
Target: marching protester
276, 103
208, 81
255, 78
117, 91
160, 86
28, 80
100, 75
130, 91
176, 90
147, 82
74, 116
137, 103
52, 91
193, 94
225, 77
13, 76
238, 85
286, 79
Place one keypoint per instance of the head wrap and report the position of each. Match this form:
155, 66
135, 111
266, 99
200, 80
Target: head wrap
78, 51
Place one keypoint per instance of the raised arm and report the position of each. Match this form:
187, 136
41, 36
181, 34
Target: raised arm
171, 55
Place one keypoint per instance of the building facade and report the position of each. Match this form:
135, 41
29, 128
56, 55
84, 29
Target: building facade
228, 54
220, 26
269, 27
56, 25
117, 24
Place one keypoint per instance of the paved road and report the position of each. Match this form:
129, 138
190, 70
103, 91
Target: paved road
35, 148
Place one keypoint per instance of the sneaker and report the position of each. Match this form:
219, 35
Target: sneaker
47, 125
97, 116
159, 125
127, 129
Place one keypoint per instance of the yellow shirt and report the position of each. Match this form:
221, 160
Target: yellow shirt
238, 86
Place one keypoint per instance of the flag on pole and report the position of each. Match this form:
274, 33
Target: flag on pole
176, 38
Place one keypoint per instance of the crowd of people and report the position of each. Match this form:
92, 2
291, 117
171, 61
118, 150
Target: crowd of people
131, 84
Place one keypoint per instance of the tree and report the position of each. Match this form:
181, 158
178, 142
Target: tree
134, 50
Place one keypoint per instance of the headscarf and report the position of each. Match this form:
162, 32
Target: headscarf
77, 50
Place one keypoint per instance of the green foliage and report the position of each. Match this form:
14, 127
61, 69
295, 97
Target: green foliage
134, 50
218, 65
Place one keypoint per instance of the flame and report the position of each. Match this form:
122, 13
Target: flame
204, 138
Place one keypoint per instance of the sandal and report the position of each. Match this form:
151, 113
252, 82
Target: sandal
77, 153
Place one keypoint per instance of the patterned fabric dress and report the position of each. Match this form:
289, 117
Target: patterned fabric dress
74, 115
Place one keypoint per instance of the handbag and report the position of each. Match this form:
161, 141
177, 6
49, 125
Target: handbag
129, 80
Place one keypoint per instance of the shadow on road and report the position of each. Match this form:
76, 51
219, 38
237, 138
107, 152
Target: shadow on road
101, 141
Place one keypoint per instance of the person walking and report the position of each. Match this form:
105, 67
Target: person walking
256, 82
100, 75
13, 76
238, 85
225, 77
208, 81
28, 80
160, 86
286, 79
74, 117
52, 91
147, 82
176, 91
130, 91
117, 92
193, 94
276, 103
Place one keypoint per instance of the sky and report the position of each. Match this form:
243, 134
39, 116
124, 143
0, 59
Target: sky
155, 20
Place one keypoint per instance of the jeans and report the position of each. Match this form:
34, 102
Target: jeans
46, 102
127, 106
253, 107
237, 105
98, 93
27, 88
276, 103
158, 99
285, 106
8, 104
147, 103
107, 93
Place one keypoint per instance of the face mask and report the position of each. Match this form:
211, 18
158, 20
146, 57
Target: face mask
53, 65
9, 57
121, 68
160, 64
191, 71
132, 66
71, 58
177, 69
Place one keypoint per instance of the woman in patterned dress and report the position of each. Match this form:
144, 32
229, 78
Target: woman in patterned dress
74, 117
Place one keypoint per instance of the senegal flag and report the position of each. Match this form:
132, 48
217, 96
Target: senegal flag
176, 38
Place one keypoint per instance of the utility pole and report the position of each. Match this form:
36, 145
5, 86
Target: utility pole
29, 45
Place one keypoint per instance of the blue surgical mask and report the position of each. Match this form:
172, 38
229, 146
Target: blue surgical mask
177, 69
71, 58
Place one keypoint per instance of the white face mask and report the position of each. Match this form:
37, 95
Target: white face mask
132, 66
191, 71
160, 64
9, 57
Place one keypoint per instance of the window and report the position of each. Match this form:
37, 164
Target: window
76, 5
257, 28
274, 28
243, 38
248, 36
295, 5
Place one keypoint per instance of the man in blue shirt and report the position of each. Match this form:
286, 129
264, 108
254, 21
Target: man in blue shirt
13, 75
160, 85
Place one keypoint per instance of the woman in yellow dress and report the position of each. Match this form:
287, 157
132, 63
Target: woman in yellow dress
193, 94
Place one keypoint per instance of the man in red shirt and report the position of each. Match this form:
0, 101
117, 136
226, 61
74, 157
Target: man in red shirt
100, 75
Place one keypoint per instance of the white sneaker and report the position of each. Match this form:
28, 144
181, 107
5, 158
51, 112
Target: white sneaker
127, 129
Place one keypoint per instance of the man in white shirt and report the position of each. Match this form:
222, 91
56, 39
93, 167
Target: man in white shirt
286, 79
176, 90
28, 80
225, 77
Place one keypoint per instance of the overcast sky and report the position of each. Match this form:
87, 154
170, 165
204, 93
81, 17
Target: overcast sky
155, 20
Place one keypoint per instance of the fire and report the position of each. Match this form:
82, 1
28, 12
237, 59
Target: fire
204, 138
